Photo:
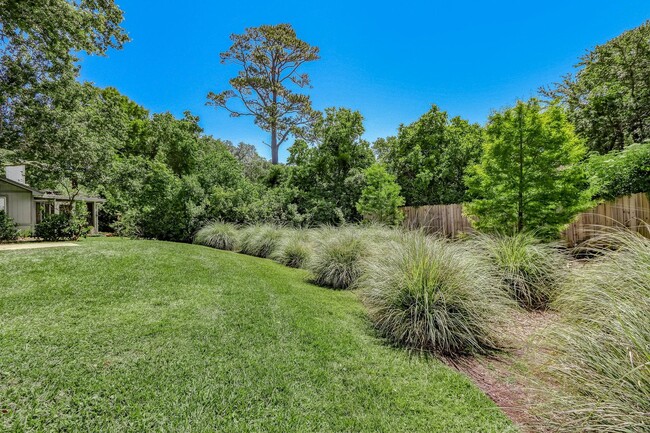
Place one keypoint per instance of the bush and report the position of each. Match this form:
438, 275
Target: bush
530, 271
620, 173
295, 250
601, 347
219, 235
380, 198
259, 240
8, 230
62, 226
432, 295
338, 257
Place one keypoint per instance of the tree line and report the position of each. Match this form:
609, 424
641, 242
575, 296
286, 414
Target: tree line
532, 166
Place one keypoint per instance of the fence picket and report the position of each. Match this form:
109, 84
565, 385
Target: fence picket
629, 211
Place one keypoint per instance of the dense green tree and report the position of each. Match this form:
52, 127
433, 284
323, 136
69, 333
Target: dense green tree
619, 173
380, 198
152, 202
269, 57
175, 141
67, 146
429, 157
609, 97
327, 178
529, 177
38, 46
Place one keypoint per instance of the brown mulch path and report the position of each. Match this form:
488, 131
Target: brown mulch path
506, 378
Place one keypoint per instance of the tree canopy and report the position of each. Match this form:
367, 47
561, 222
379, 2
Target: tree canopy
269, 57
429, 157
529, 177
38, 46
329, 174
608, 98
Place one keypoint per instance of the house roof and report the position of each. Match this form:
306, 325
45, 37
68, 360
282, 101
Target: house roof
19, 185
51, 195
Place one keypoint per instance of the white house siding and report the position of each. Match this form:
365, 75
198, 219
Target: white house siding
19, 204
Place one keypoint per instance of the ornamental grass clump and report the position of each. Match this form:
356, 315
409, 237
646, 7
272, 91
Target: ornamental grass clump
296, 248
338, 257
260, 240
429, 294
219, 235
601, 346
529, 270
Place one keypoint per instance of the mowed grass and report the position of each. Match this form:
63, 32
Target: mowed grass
121, 335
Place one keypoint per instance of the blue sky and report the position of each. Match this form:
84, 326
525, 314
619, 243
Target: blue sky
389, 60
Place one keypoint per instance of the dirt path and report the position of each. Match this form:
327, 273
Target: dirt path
507, 379
35, 245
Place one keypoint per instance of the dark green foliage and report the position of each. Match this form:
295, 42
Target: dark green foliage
154, 203
8, 230
529, 177
620, 173
429, 157
428, 294
328, 177
531, 271
608, 98
62, 226
601, 344
41, 118
380, 198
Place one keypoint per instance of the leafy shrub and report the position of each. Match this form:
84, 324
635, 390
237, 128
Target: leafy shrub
62, 226
8, 230
380, 198
295, 250
260, 240
601, 347
620, 172
429, 294
222, 236
530, 271
338, 257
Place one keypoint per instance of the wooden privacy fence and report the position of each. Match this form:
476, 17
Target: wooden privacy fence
443, 219
632, 211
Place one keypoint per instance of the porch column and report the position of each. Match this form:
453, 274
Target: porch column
95, 218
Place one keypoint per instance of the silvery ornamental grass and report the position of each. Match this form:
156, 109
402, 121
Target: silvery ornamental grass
600, 349
338, 256
429, 294
260, 240
219, 235
295, 249
530, 271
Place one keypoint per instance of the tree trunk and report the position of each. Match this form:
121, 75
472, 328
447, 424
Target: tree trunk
520, 202
274, 146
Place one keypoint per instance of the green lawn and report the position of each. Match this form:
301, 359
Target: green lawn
120, 335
